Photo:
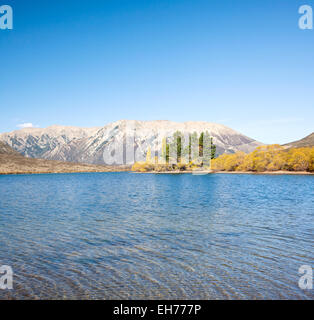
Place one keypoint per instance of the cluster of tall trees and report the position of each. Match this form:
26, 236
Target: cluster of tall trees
197, 147
267, 158
180, 152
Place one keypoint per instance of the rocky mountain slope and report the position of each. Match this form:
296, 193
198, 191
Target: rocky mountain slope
305, 142
88, 145
7, 150
11, 162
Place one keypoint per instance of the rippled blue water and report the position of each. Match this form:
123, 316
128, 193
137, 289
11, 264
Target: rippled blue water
135, 236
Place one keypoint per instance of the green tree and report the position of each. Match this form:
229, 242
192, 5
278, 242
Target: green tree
167, 153
213, 149
190, 148
201, 144
176, 147
177, 138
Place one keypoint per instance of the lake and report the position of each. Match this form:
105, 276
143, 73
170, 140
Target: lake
145, 236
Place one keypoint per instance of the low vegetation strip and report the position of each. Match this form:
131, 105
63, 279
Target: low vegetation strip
270, 158
265, 159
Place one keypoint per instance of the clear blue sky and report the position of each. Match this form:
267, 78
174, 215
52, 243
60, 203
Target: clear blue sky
243, 63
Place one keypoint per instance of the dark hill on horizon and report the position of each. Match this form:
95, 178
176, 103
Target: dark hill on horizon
308, 141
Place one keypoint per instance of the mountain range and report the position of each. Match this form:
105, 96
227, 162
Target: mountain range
87, 145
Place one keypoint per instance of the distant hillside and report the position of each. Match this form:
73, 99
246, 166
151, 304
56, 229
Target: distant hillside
305, 142
11, 162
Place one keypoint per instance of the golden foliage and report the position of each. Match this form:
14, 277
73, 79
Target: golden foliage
142, 167
149, 156
267, 158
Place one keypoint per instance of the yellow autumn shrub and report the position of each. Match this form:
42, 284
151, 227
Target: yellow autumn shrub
267, 158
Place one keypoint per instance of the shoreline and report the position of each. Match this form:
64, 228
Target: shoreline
267, 172
63, 172
164, 172
176, 172
230, 172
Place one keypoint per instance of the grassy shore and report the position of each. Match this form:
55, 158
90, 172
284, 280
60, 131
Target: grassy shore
15, 164
12, 164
